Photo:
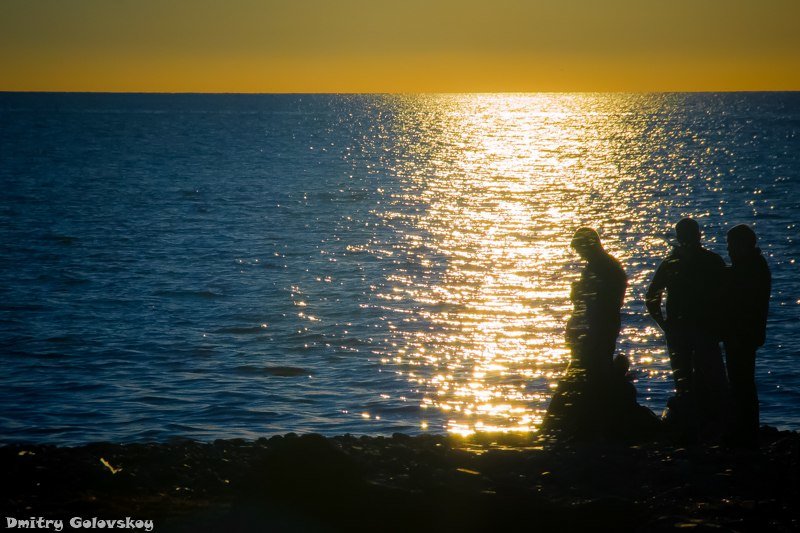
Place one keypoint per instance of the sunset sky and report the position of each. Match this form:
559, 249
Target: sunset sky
400, 46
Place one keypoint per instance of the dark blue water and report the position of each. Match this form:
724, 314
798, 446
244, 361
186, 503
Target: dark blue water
231, 265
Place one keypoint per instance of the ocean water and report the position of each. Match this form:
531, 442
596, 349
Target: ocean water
212, 266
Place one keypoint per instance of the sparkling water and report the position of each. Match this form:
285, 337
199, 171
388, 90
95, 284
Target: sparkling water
213, 266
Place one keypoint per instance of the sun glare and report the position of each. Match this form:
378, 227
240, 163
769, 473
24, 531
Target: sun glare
488, 264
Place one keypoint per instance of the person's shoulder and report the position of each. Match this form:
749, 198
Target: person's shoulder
763, 265
712, 258
762, 261
616, 263
613, 264
620, 271
671, 261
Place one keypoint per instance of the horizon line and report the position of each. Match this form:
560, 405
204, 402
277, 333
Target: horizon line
392, 93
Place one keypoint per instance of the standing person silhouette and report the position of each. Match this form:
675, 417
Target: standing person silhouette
595, 399
692, 278
597, 298
747, 291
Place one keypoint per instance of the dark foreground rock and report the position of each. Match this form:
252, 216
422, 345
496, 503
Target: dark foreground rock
402, 483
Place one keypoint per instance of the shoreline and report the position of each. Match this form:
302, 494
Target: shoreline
427, 482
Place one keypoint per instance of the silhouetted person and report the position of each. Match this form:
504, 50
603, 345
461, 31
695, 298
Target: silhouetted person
597, 298
747, 291
596, 398
692, 278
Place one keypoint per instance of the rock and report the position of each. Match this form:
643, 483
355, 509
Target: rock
431, 482
603, 409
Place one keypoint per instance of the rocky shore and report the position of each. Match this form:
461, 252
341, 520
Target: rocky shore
402, 483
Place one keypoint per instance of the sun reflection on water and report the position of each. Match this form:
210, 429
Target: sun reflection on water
483, 270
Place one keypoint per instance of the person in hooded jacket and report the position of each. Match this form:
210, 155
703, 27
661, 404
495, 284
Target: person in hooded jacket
597, 298
747, 291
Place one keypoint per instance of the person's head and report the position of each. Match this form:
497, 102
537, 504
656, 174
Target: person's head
586, 242
621, 364
741, 242
687, 230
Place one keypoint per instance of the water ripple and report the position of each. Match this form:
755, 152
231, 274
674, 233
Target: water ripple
220, 266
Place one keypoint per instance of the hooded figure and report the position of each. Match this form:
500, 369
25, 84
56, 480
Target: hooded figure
747, 291
595, 398
597, 298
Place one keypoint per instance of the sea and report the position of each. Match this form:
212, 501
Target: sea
217, 266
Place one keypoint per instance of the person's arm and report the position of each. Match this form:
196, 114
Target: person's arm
654, 295
764, 289
717, 284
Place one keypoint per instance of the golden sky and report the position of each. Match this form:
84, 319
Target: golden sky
399, 46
